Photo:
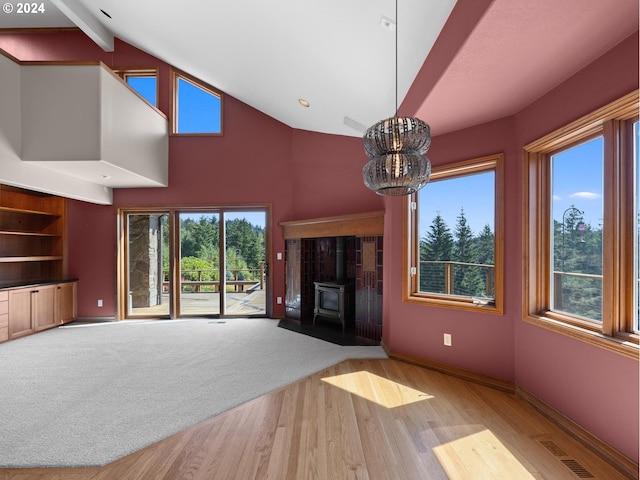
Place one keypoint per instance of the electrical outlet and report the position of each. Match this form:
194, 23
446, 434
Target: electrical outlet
278, 300
279, 255
447, 339
99, 302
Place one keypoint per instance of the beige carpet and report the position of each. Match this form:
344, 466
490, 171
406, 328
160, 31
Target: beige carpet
86, 395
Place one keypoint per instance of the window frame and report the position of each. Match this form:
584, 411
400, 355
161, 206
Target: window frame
411, 294
177, 75
125, 73
615, 123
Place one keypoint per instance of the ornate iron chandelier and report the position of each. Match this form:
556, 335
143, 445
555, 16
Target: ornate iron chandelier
396, 147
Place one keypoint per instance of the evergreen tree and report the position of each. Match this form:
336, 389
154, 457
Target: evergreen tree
435, 246
247, 240
463, 250
188, 244
206, 232
198, 237
467, 279
577, 248
485, 246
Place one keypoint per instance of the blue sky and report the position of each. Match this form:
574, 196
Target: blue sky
197, 109
145, 86
578, 177
474, 193
578, 181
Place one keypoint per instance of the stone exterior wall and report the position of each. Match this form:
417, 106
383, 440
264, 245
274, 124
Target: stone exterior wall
145, 260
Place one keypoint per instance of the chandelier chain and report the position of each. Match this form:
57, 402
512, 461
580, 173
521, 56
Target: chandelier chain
396, 147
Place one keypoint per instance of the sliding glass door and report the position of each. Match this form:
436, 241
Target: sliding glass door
193, 262
245, 266
199, 263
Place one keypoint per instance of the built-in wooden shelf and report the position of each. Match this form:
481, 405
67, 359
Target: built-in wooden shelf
38, 258
32, 236
28, 234
27, 212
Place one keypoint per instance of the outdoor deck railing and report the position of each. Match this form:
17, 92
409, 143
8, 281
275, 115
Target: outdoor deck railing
447, 270
195, 279
441, 275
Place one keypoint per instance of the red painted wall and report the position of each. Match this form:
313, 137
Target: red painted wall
327, 176
596, 388
91, 232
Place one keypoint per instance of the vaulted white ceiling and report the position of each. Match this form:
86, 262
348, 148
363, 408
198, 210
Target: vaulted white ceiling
491, 59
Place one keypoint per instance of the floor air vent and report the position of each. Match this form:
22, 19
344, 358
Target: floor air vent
577, 469
573, 465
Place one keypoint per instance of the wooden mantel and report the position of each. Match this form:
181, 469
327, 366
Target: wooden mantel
356, 224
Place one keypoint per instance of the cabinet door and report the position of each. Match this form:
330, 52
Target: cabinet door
65, 302
4, 316
20, 313
43, 307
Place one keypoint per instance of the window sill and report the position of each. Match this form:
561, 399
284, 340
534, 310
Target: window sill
194, 134
455, 303
621, 346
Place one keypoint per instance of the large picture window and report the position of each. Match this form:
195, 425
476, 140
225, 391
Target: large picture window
455, 257
581, 228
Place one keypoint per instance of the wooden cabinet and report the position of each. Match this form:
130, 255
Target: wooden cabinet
31, 310
20, 313
43, 307
65, 309
34, 292
31, 236
39, 307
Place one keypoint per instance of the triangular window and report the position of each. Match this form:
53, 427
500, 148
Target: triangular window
197, 108
144, 82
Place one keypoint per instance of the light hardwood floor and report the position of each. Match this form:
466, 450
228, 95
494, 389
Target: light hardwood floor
362, 419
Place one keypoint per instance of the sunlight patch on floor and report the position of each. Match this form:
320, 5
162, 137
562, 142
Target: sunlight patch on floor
479, 455
376, 389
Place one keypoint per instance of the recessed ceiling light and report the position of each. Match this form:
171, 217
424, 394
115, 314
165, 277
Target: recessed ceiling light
105, 13
303, 102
